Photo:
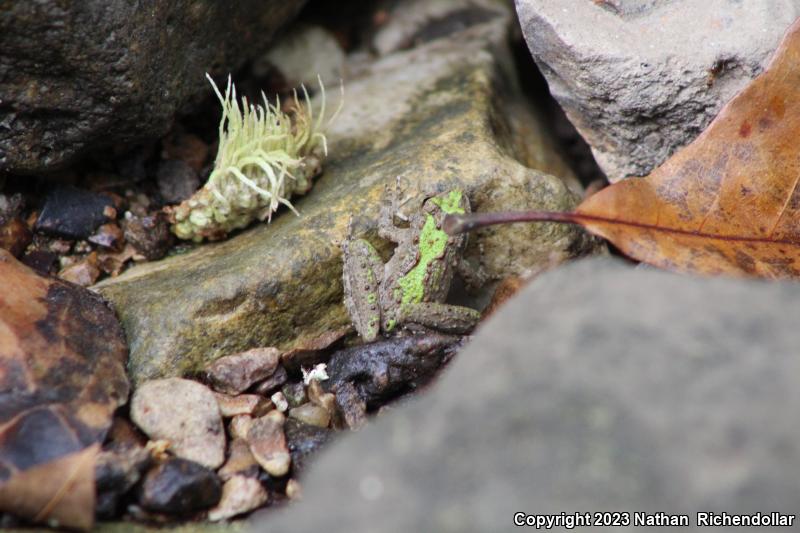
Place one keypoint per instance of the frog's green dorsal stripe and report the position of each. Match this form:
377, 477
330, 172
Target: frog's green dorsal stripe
432, 243
450, 204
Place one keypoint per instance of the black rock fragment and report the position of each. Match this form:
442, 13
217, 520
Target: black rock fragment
74, 213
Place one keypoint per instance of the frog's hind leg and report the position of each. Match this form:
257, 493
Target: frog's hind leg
446, 318
363, 270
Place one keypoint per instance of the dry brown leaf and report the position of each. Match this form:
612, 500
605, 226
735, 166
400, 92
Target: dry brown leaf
59, 493
728, 203
62, 375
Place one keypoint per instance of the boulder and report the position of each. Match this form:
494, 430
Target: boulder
639, 79
76, 76
599, 387
445, 114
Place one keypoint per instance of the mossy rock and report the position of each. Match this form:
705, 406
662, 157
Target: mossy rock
443, 115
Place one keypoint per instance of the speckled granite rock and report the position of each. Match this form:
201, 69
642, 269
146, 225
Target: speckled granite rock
442, 115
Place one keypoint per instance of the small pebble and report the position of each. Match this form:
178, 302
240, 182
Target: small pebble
294, 491
319, 397
112, 263
239, 426
242, 404
180, 487
311, 414
14, 236
233, 374
108, 236
84, 273
42, 261
304, 440
272, 383
280, 402
149, 234
268, 443
185, 413
116, 471
72, 213
240, 461
240, 495
295, 394
176, 180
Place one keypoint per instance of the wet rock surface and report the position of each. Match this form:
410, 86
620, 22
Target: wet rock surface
186, 414
305, 441
93, 73
74, 213
116, 472
641, 79
444, 114
382, 369
352, 408
599, 386
180, 487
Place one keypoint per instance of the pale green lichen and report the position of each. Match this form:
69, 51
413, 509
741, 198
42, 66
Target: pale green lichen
265, 156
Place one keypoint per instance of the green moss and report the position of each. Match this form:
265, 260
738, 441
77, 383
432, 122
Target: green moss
450, 204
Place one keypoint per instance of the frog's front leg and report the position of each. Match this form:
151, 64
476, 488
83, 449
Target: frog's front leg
386, 228
362, 275
446, 318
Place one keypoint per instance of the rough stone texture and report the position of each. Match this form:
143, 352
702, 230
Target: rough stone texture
78, 75
74, 213
240, 495
291, 54
240, 461
268, 443
180, 487
235, 373
599, 387
186, 414
305, 442
438, 116
640, 79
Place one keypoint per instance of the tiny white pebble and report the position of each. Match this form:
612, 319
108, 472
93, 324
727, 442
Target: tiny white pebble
280, 401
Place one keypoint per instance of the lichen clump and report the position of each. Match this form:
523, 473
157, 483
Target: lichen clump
265, 156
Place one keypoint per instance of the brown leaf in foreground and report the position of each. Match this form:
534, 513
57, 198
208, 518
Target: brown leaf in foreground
728, 203
59, 493
62, 375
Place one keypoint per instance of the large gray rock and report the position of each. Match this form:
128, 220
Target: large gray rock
641, 78
444, 114
79, 75
599, 388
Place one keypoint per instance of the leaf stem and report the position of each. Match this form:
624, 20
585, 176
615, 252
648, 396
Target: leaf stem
454, 224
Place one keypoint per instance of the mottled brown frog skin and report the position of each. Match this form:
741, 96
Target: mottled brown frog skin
412, 287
